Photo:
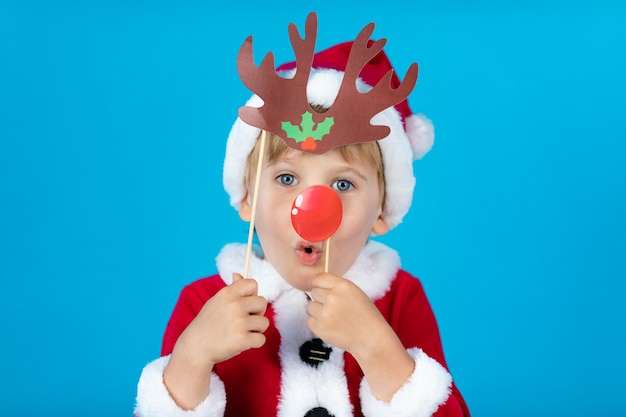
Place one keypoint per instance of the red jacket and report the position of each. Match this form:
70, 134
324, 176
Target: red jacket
275, 380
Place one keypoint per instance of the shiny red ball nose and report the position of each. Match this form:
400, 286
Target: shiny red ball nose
316, 213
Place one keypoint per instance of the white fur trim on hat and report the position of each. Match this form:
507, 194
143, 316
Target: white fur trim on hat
399, 149
421, 133
239, 144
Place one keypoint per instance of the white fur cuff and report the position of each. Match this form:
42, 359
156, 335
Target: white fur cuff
421, 396
153, 399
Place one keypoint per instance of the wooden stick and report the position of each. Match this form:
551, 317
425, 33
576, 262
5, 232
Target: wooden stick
254, 203
327, 255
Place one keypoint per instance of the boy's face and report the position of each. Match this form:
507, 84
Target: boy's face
295, 259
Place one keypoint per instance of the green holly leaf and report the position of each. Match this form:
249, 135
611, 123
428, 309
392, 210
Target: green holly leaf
293, 131
323, 128
308, 128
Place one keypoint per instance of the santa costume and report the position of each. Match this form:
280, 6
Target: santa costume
296, 374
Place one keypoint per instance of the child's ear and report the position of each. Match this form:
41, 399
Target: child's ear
245, 210
380, 226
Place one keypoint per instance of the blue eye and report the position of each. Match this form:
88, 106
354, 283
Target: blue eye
286, 179
342, 185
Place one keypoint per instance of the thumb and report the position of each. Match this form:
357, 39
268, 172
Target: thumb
237, 277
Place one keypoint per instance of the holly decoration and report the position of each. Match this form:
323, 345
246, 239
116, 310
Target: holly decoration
308, 131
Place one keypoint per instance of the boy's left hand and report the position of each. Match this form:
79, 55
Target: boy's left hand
341, 314
344, 316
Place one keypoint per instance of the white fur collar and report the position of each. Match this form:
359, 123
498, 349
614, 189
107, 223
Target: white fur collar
373, 271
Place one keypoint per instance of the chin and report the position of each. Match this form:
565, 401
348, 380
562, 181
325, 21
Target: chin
304, 281
302, 286
302, 275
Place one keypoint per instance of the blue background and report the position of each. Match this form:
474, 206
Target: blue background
113, 119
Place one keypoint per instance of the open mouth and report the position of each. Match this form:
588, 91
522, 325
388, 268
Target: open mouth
308, 254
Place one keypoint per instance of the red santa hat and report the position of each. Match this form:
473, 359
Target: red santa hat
411, 135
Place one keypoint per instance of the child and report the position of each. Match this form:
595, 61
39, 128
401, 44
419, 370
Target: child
294, 340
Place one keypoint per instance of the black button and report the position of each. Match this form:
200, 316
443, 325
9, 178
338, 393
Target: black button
318, 412
314, 352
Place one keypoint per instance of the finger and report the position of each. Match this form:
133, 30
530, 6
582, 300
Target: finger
324, 280
314, 309
320, 294
255, 305
257, 324
237, 277
245, 287
256, 340
312, 324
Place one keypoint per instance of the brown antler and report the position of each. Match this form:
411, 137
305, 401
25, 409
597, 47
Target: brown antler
285, 102
284, 99
363, 106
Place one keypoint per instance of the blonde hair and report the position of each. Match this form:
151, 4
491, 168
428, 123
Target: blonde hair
357, 153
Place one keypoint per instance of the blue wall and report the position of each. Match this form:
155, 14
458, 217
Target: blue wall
113, 119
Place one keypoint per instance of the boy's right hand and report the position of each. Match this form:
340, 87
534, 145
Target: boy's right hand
229, 323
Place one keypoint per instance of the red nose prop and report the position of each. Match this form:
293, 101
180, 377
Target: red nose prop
316, 213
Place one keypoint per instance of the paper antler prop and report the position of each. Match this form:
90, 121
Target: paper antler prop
287, 113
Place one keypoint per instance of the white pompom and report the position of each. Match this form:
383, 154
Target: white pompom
421, 133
